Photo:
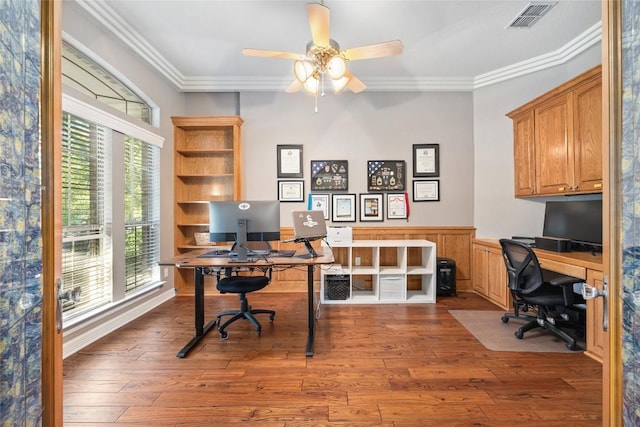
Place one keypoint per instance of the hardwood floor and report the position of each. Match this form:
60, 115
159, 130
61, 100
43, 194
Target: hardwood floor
374, 365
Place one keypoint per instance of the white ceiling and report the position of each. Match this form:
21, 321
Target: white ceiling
448, 45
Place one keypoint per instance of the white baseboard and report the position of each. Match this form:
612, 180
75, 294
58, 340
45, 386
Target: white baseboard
87, 333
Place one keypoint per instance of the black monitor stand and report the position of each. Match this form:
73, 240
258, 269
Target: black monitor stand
241, 240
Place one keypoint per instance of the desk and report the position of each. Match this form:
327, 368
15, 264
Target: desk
490, 281
202, 265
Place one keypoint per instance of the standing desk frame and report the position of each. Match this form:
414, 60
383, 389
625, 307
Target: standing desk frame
201, 267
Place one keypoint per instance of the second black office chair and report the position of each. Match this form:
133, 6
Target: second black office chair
556, 304
242, 285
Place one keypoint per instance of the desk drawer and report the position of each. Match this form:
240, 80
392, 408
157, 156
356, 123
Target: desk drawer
562, 268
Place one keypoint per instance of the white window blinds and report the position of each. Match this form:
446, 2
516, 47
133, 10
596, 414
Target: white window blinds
86, 254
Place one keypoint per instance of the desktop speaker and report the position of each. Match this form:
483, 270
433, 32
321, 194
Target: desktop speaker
554, 244
446, 276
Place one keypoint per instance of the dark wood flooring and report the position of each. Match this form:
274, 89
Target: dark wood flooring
374, 365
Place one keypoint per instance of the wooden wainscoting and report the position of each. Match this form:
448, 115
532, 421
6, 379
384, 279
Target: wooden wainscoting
451, 242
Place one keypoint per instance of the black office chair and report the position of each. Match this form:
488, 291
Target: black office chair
241, 285
553, 299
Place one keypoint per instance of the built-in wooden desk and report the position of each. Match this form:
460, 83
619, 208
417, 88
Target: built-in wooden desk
490, 280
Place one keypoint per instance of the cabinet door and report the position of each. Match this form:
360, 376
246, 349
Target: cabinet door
480, 270
524, 155
553, 146
596, 336
497, 279
588, 137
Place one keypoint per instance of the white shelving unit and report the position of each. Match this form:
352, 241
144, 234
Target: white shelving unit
380, 271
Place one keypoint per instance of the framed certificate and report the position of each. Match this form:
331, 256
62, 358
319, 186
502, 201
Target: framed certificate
319, 202
343, 207
289, 161
371, 207
426, 160
397, 206
291, 191
426, 191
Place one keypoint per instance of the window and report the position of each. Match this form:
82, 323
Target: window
142, 214
86, 250
111, 191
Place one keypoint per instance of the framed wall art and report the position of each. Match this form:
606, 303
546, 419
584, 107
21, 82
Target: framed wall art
343, 207
397, 206
320, 202
386, 175
291, 191
329, 175
289, 161
371, 207
426, 160
426, 191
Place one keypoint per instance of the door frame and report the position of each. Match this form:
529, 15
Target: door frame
51, 158
612, 393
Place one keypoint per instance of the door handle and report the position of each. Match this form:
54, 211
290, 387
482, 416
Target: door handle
71, 295
591, 292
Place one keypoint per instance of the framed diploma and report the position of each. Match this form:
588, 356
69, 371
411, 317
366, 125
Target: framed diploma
396, 206
426, 160
426, 191
343, 207
386, 175
319, 202
329, 175
371, 207
291, 191
289, 161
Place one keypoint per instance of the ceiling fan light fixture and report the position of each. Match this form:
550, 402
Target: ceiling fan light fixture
341, 83
303, 69
336, 67
311, 85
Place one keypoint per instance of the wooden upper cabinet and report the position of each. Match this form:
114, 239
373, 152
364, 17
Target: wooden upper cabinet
557, 140
587, 134
554, 150
523, 155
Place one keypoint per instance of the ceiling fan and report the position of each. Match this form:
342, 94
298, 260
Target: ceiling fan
324, 57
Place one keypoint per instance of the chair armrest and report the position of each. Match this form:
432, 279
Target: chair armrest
567, 282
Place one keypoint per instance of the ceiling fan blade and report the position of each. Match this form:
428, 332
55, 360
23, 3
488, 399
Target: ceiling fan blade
294, 87
271, 54
377, 50
319, 23
355, 84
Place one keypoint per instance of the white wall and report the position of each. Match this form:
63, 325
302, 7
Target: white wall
357, 128
497, 212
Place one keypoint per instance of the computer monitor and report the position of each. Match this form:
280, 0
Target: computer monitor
242, 221
579, 221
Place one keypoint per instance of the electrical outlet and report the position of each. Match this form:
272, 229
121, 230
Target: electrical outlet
166, 272
357, 260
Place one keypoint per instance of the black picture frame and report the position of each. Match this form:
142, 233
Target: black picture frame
291, 191
426, 190
290, 161
343, 207
329, 175
426, 160
386, 175
371, 207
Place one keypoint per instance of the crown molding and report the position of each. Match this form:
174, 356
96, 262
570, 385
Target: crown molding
114, 23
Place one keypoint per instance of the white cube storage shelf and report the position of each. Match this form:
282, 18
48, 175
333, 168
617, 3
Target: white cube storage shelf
380, 271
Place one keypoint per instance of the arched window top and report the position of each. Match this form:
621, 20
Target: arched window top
84, 74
